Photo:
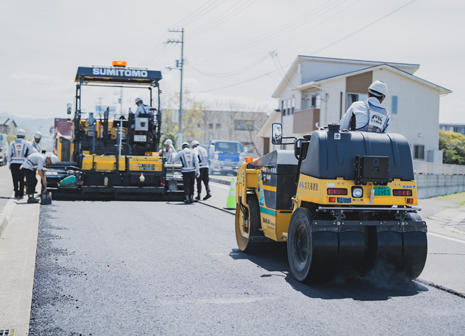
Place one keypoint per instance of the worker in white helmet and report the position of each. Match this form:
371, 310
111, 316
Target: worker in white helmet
34, 163
169, 151
189, 170
142, 109
18, 151
368, 115
36, 141
202, 156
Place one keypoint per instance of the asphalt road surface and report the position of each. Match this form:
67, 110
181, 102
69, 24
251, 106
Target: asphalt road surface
158, 268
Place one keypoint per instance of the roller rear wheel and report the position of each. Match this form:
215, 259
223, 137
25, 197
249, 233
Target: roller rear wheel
248, 227
312, 256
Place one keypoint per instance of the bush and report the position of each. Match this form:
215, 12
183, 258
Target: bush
453, 146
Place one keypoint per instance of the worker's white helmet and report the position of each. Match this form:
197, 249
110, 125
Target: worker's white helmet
168, 142
138, 100
195, 143
185, 145
53, 158
20, 133
378, 88
38, 135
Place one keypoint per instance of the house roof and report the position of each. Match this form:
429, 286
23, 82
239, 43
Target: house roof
308, 85
300, 58
271, 119
7, 121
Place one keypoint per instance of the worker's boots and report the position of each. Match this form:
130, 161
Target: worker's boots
197, 198
207, 196
31, 199
191, 198
187, 200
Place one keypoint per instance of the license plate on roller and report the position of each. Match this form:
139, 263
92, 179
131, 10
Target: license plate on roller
382, 191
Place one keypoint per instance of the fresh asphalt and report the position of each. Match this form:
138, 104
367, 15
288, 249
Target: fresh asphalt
156, 268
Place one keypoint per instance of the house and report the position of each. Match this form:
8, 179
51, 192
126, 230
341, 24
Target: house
457, 128
317, 91
234, 126
7, 125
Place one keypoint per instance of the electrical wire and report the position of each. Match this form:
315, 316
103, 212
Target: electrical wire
227, 15
296, 23
232, 73
342, 39
215, 4
188, 17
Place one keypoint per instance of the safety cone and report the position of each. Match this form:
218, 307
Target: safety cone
231, 203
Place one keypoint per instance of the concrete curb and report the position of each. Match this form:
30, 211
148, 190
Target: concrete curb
6, 214
17, 265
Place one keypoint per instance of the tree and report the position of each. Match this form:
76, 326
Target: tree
453, 146
192, 114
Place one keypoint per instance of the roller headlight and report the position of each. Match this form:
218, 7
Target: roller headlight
357, 192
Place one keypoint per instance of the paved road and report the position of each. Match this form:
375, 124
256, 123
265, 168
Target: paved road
6, 185
141, 268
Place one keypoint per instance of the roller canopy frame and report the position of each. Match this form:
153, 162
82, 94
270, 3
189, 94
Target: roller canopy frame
118, 75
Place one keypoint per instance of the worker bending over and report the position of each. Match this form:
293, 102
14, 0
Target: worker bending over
202, 156
36, 162
368, 115
189, 170
36, 141
17, 153
169, 151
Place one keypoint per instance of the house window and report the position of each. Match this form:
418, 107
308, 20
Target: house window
394, 105
353, 97
210, 126
419, 152
282, 108
218, 126
244, 125
293, 105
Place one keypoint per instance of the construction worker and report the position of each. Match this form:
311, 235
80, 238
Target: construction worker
36, 141
189, 170
368, 115
169, 151
142, 109
18, 151
202, 156
36, 162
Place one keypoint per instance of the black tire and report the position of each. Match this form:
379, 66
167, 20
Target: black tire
243, 234
312, 256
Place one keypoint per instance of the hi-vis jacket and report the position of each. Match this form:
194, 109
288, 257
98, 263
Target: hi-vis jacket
142, 110
169, 154
189, 161
34, 161
19, 150
35, 144
202, 155
369, 115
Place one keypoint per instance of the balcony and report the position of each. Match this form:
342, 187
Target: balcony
304, 120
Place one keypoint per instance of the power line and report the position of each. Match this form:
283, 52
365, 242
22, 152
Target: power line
232, 73
207, 10
345, 37
180, 23
228, 14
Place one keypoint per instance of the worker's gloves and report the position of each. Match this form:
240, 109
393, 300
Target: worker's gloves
197, 174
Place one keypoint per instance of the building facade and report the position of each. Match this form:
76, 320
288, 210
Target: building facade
234, 126
457, 128
317, 91
7, 125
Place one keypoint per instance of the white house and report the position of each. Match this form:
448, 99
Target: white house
317, 91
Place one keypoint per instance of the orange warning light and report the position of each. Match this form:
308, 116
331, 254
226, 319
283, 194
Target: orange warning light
248, 159
119, 63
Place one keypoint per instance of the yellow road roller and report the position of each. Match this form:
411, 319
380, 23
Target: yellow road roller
344, 202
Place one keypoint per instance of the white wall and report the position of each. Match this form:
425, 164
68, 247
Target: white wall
330, 110
417, 111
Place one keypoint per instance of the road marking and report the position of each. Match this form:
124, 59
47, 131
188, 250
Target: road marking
445, 237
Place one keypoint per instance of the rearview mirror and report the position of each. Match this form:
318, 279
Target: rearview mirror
68, 110
277, 134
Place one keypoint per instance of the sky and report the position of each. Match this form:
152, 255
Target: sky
235, 51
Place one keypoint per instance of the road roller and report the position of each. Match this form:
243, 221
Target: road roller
345, 203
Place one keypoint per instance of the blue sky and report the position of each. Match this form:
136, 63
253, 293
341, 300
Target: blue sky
227, 42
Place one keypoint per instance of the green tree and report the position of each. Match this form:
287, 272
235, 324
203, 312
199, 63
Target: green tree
453, 146
192, 113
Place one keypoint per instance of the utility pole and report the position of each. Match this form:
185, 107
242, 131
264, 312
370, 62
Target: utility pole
180, 66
